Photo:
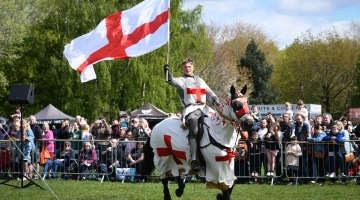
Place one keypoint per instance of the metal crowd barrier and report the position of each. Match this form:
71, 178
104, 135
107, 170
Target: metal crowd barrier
250, 167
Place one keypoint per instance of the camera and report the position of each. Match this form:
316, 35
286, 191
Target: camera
98, 122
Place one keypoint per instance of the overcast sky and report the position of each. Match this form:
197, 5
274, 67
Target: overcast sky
283, 20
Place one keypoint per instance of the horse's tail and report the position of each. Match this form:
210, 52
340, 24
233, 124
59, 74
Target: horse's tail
148, 161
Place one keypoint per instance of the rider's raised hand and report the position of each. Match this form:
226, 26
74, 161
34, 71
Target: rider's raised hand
216, 101
166, 67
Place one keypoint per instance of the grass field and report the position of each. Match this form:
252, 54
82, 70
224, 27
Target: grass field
91, 189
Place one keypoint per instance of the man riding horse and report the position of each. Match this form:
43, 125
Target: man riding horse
193, 93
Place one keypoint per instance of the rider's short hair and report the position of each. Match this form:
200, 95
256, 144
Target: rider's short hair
187, 60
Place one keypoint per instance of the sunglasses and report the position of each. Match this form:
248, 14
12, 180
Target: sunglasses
67, 145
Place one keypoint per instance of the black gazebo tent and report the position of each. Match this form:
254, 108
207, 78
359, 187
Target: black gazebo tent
151, 113
51, 115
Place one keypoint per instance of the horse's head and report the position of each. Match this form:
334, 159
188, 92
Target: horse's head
240, 107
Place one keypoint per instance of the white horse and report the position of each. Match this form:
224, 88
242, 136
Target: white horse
169, 151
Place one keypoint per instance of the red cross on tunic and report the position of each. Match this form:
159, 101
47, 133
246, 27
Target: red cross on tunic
169, 151
198, 92
228, 157
118, 42
224, 122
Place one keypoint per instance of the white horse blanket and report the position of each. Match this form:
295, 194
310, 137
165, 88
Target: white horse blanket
172, 151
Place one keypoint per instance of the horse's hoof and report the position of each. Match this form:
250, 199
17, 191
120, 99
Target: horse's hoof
179, 192
219, 196
167, 197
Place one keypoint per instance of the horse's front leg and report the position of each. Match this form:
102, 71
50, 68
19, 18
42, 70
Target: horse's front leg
181, 185
166, 191
225, 194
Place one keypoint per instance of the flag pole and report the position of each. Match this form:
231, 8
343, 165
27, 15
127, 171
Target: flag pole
167, 60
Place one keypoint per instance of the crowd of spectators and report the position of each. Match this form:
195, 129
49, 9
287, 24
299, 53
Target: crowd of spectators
76, 147
293, 149
297, 149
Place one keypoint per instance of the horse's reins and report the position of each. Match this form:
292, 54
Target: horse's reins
222, 115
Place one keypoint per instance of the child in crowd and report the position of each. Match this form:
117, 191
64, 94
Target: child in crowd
271, 148
254, 154
333, 150
293, 152
300, 109
288, 110
255, 114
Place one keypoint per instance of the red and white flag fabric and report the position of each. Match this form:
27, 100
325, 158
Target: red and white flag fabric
126, 34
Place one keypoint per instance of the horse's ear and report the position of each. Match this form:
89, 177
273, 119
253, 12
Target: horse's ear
232, 90
243, 91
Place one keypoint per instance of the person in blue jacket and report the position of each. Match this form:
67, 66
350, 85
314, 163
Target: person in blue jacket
318, 152
334, 151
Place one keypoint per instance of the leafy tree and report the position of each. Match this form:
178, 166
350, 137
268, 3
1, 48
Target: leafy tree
229, 41
261, 72
325, 64
121, 84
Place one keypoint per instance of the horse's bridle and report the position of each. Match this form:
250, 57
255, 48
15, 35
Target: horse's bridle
239, 113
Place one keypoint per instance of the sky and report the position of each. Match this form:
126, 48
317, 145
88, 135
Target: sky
282, 20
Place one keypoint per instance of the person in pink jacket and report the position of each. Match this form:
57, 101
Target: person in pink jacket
48, 139
87, 158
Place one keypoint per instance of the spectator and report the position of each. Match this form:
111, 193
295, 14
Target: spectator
54, 130
145, 131
293, 152
285, 127
288, 110
136, 156
254, 155
318, 152
14, 164
271, 148
327, 126
255, 114
115, 128
48, 140
261, 133
87, 158
318, 120
101, 131
64, 134
347, 148
4, 164
334, 151
27, 136
78, 119
112, 157
38, 136
302, 133
300, 109
270, 119
11, 132
346, 125
17, 113
85, 135
134, 128
63, 159
75, 136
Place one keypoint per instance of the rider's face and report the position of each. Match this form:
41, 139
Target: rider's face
188, 69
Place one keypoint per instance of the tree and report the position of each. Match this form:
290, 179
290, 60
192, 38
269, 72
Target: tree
120, 84
229, 42
261, 72
325, 64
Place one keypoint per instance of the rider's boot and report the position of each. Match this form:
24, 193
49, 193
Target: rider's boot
195, 165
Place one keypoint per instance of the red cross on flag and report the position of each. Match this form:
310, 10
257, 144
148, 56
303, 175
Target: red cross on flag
126, 34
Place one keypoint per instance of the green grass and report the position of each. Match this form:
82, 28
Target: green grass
91, 189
